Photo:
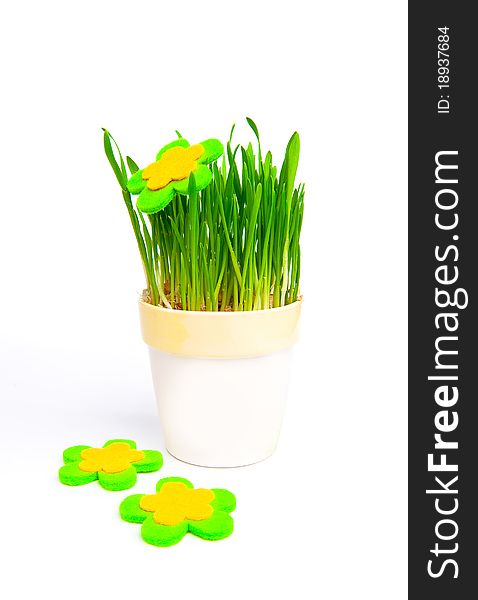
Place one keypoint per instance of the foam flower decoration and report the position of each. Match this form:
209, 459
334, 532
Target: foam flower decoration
158, 183
176, 509
115, 465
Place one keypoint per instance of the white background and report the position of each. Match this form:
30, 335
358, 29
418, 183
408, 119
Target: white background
326, 516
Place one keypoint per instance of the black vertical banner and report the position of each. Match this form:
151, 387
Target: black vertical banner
443, 301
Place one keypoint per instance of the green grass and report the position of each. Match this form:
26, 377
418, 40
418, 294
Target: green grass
232, 246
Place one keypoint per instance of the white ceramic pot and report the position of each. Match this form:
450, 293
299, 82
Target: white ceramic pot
220, 380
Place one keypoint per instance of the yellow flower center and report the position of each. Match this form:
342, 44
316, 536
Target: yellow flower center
175, 164
175, 502
114, 458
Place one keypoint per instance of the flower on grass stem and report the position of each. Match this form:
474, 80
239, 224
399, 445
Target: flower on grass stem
115, 465
232, 245
158, 183
176, 509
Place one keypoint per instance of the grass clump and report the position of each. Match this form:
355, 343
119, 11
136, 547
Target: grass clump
233, 246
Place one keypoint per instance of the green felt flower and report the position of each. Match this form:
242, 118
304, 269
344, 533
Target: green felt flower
158, 183
115, 465
176, 509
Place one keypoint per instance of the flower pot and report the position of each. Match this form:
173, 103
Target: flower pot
220, 380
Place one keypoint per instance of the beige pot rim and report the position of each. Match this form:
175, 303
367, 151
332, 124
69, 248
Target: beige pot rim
207, 334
